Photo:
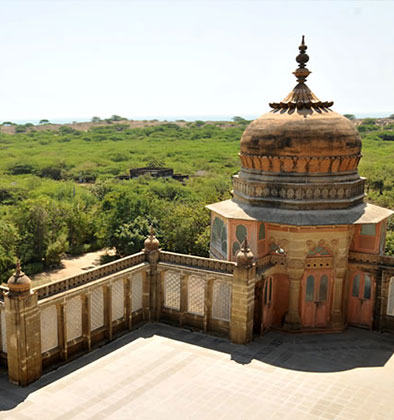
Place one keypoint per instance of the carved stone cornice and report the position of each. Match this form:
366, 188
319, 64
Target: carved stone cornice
299, 195
300, 164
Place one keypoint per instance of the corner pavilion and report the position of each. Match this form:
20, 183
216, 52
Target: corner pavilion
299, 195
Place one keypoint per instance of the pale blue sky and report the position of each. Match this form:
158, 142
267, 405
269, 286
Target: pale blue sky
77, 59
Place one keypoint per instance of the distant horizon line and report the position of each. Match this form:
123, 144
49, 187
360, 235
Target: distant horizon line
173, 118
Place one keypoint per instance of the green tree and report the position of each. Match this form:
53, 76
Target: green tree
184, 229
8, 242
96, 119
349, 116
238, 119
117, 118
44, 121
129, 237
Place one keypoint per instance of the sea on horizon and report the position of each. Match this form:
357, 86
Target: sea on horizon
172, 118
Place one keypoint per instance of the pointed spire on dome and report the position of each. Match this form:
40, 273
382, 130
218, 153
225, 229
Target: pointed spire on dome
301, 96
302, 58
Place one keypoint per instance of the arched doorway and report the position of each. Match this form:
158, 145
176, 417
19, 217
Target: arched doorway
263, 305
316, 298
361, 299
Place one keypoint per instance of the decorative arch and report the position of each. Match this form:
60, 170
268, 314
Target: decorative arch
321, 249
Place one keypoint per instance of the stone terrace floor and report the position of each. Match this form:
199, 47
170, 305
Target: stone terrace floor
163, 372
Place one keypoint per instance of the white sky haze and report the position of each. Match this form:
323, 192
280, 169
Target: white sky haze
140, 59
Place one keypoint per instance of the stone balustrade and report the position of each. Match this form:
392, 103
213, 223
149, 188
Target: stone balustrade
271, 260
71, 282
71, 315
359, 257
197, 262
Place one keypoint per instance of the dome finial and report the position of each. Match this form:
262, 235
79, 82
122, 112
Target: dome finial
302, 58
301, 96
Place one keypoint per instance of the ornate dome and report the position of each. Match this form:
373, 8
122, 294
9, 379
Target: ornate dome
301, 154
301, 141
19, 283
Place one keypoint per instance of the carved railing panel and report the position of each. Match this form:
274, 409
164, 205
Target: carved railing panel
117, 300
221, 300
136, 292
96, 309
49, 335
196, 295
74, 318
172, 290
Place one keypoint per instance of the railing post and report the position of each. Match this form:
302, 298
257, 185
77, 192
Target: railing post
152, 253
128, 312
242, 300
86, 319
108, 311
23, 330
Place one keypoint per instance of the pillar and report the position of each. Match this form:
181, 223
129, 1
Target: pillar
242, 299
23, 330
341, 256
152, 252
295, 271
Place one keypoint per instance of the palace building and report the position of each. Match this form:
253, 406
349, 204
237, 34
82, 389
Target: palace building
296, 249
299, 195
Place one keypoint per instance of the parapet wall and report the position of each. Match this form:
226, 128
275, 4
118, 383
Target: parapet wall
76, 313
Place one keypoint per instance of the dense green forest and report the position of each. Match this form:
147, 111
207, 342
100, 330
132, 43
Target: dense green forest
59, 191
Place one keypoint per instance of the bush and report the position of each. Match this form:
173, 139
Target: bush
364, 128
33, 268
368, 121
56, 251
20, 169
20, 129
386, 136
51, 171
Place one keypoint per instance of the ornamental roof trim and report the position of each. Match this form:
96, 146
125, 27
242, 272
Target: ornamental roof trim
360, 214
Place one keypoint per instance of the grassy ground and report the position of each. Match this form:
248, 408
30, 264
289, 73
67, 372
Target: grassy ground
59, 190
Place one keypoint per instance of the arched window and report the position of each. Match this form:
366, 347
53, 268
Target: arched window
390, 298
241, 233
367, 286
310, 289
323, 288
356, 285
219, 235
261, 231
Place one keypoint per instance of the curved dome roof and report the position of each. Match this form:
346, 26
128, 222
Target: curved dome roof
301, 155
301, 134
